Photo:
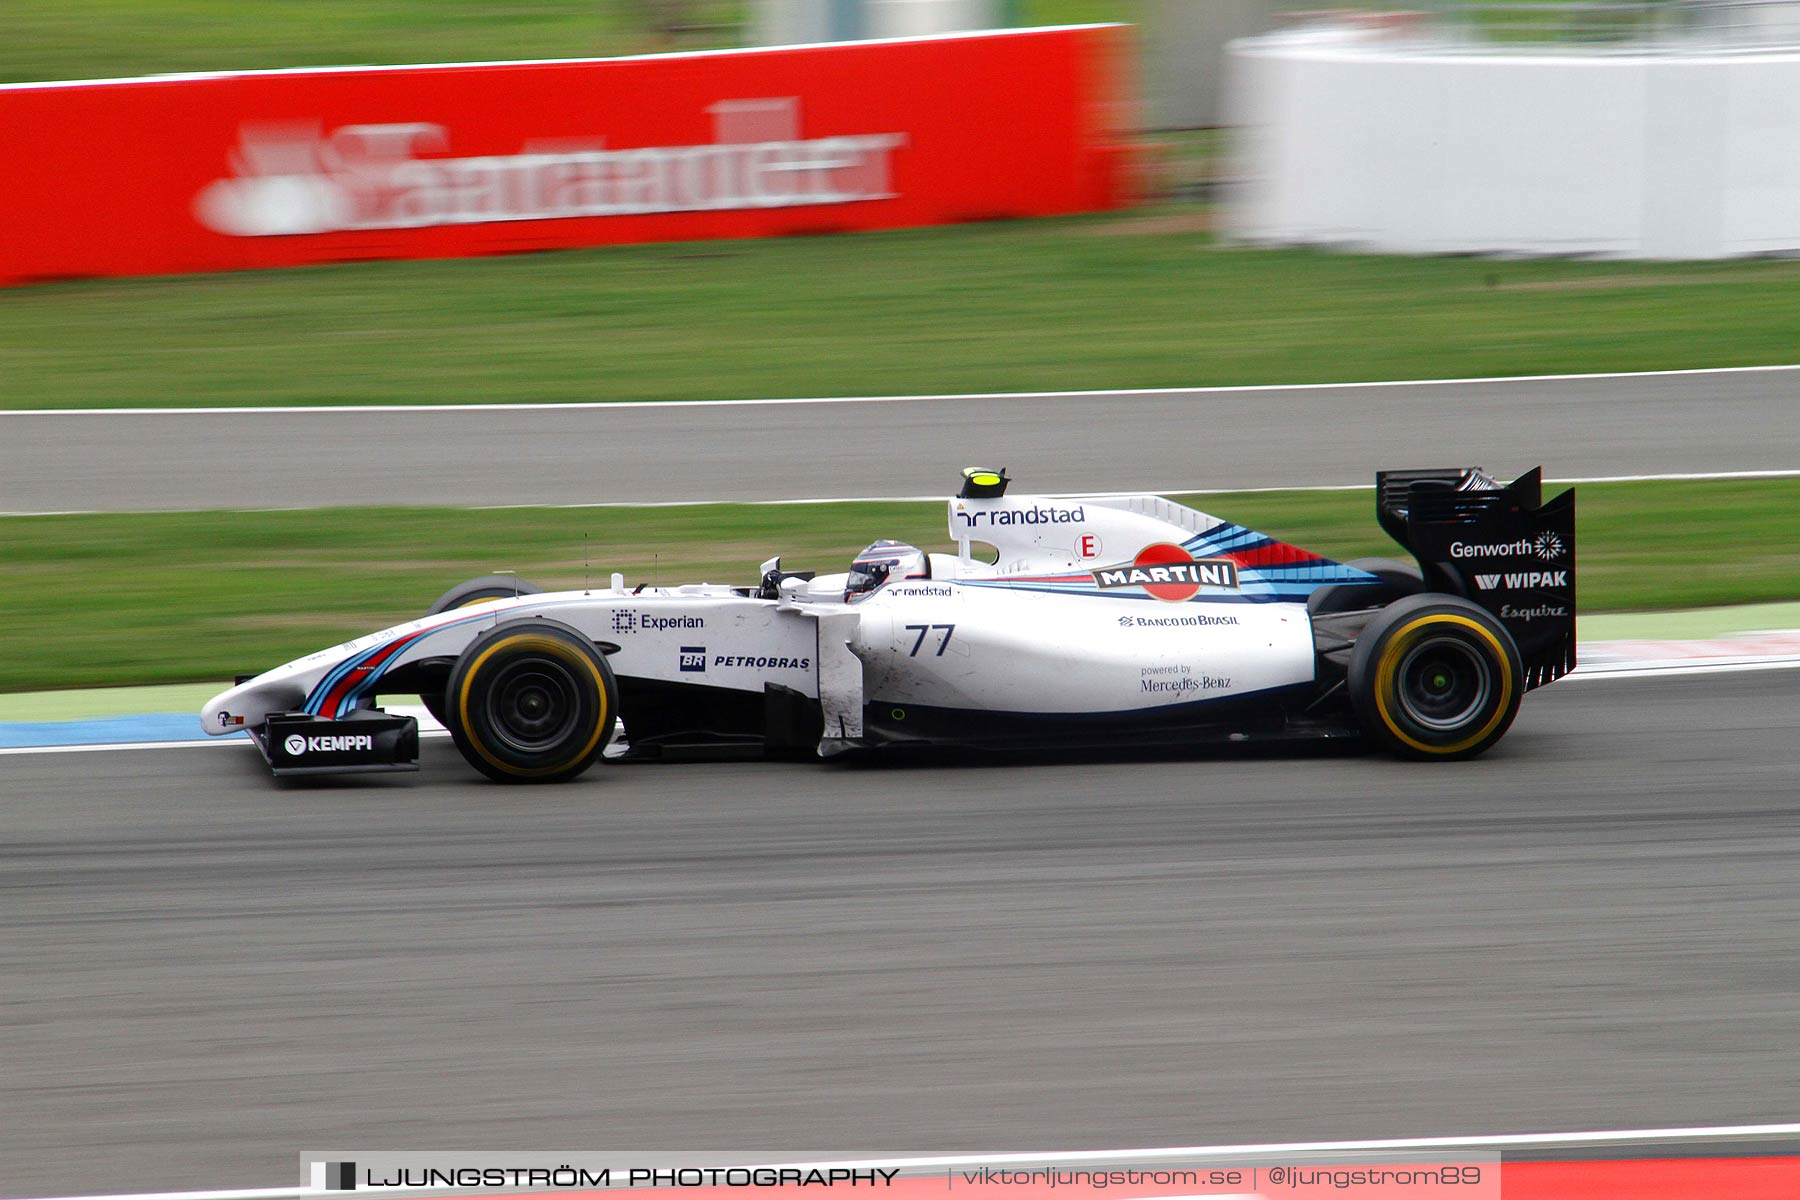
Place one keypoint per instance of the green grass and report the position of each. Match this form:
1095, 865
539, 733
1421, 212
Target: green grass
1140, 300
161, 598
88, 39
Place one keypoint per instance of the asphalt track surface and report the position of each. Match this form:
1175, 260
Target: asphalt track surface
1577, 427
1591, 928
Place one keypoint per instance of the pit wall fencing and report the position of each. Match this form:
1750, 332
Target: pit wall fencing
177, 174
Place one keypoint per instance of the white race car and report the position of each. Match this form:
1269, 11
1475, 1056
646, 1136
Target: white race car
1096, 622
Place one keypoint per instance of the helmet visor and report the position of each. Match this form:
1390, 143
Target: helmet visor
865, 577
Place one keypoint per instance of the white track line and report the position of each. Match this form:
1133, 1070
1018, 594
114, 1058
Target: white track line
658, 56
939, 498
577, 405
1674, 475
98, 746
1176, 490
1659, 669
1697, 1133
1610, 671
432, 730
272, 1193
1498, 1141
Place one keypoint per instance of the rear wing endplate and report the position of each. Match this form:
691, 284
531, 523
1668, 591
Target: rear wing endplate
1500, 545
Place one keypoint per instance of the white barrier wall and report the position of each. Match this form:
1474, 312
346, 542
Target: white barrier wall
1349, 138
794, 22
913, 18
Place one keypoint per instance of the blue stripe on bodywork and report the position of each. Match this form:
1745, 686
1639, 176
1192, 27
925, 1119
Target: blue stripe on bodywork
366, 688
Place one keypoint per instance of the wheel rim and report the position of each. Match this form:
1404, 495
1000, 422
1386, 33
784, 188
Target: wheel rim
1443, 684
533, 704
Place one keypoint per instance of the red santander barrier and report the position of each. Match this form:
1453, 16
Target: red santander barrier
276, 169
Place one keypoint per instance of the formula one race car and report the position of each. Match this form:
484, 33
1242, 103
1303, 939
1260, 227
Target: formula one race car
1100, 622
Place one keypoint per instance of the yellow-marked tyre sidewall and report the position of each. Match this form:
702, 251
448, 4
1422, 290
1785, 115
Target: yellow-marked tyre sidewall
1383, 648
480, 590
470, 592
467, 700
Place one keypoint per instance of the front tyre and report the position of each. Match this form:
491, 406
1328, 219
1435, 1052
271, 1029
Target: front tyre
480, 589
1435, 677
531, 702
471, 591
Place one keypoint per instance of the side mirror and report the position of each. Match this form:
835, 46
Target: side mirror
768, 588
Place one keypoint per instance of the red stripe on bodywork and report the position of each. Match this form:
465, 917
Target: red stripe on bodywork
1275, 554
354, 676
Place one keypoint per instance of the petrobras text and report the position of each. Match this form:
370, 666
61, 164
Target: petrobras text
762, 662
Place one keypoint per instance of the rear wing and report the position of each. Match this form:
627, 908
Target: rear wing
1499, 545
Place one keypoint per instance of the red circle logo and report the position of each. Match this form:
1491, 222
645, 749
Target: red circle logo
1163, 554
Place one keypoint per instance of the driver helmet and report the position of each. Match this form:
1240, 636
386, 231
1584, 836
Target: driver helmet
881, 562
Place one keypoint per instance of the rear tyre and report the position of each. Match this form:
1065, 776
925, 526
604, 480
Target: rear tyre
1435, 677
531, 702
471, 591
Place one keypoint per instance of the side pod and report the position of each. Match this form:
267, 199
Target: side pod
1501, 546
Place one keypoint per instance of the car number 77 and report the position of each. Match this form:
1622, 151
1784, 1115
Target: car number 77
920, 640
